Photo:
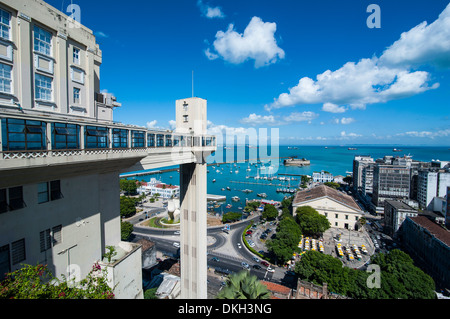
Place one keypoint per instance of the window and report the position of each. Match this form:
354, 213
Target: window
120, 138
5, 27
16, 198
50, 238
65, 136
42, 41
76, 56
5, 78
23, 135
159, 140
346, 216
150, 140
43, 87
186, 118
96, 137
43, 193
49, 191
336, 215
45, 240
3, 201
168, 140
76, 95
77, 75
18, 251
55, 190
137, 139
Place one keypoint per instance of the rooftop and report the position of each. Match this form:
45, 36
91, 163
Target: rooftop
434, 229
325, 191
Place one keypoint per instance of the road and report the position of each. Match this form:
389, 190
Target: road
223, 252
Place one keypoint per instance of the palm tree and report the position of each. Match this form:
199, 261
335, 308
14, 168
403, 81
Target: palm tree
244, 286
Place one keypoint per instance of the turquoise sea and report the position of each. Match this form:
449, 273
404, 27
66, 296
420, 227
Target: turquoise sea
240, 175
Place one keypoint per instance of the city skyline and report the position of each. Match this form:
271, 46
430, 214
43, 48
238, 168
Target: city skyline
316, 71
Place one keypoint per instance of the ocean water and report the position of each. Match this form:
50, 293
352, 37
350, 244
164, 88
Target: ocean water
240, 175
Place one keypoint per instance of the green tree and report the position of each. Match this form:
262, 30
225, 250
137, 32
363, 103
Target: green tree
37, 282
128, 186
270, 212
242, 285
400, 278
127, 206
231, 217
286, 239
332, 185
150, 293
126, 229
311, 222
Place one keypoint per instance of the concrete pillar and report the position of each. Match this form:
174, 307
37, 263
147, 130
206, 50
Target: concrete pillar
193, 245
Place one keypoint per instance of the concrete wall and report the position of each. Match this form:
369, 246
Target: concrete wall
329, 208
88, 213
58, 65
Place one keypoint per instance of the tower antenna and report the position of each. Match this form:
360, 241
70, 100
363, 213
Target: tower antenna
192, 83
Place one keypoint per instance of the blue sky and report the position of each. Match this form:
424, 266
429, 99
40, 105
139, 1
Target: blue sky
312, 69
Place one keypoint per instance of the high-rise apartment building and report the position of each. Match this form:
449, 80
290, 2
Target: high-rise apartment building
62, 154
390, 182
359, 163
432, 182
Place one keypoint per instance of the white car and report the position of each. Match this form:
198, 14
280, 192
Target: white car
239, 245
269, 269
175, 244
177, 232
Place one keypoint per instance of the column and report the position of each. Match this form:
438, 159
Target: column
193, 245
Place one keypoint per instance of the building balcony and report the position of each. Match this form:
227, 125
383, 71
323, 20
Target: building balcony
40, 145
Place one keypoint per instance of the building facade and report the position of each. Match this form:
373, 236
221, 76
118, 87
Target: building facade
322, 177
429, 245
340, 209
432, 183
390, 182
62, 154
395, 213
359, 163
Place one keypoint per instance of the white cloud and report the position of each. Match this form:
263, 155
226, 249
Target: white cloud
256, 43
254, 119
101, 34
423, 44
426, 134
152, 124
333, 108
347, 120
378, 80
261, 120
345, 135
306, 116
172, 124
210, 12
355, 85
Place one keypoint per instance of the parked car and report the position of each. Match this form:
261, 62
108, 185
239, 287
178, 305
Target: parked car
269, 269
215, 259
265, 263
257, 266
176, 244
256, 259
245, 265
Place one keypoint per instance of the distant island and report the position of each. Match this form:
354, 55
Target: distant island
296, 162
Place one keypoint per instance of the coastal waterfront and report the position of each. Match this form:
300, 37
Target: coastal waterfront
338, 160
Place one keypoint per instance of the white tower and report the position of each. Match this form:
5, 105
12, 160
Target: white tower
191, 119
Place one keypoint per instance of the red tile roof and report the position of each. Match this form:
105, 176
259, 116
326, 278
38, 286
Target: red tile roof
276, 287
325, 191
437, 231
